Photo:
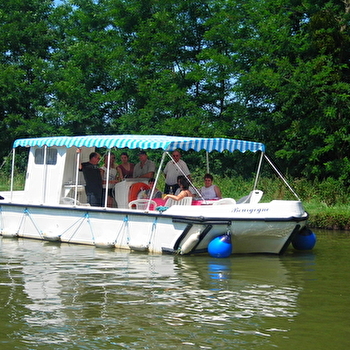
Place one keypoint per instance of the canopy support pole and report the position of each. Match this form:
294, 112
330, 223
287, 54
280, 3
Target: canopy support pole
12, 171
207, 160
258, 171
107, 176
281, 176
76, 179
186, 177
156, 179
45, 174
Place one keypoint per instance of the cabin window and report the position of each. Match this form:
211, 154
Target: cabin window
51, 156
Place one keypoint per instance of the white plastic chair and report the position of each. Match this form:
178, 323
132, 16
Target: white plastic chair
252, 198
69, 201
184, 201
224, 201
142, 204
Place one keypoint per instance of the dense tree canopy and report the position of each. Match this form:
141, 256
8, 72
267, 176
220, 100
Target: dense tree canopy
270, 70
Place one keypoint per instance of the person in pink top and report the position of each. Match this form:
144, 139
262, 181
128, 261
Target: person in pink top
125, 169
185, 192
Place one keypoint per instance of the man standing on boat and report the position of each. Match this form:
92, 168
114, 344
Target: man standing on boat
145, 168
93, 179
172, 170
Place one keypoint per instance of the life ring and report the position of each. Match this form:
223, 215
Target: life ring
135, 189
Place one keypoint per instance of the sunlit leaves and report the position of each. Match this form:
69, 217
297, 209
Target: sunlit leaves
271, 71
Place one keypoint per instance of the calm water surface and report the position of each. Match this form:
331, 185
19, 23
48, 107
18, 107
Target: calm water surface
60, 296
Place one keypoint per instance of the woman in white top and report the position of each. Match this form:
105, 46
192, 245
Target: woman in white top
209, 190
112, 179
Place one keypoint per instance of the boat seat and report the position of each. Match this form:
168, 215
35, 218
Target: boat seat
69, 201
224, 201
252, 198
184, 201
135, 189
142, 204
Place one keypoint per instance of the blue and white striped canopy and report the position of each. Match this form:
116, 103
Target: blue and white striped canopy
164, 142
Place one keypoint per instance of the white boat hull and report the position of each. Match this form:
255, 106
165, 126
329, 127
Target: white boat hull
254, 228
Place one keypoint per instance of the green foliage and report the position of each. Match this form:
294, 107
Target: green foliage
5, 181
335, 218
24, 51
272, 71
329, 192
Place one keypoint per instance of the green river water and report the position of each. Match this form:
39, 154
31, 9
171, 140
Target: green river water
60, 296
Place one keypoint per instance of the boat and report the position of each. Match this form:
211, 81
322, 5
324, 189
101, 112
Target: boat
53, 205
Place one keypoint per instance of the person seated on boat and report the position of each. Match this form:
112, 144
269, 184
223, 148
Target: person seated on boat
125, 169
209, 190
185, 192
145, 168
93, 179
147, 193
112, 179
172, 170
192, 189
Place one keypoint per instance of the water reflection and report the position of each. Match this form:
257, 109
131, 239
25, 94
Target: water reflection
82, 297
246, 287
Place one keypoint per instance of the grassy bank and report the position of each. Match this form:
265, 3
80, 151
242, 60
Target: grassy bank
326, 202
335, 217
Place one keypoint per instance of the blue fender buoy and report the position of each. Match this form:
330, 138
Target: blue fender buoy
220, 247
219, 271
304, 240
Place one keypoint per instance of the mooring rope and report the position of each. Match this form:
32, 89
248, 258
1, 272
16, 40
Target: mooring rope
26, 213
79, 222
123, 225
154, 226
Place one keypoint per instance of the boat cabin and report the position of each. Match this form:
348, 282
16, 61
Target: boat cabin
53, 177
52, 173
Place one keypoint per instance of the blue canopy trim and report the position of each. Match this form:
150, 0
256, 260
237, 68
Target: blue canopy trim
164, 142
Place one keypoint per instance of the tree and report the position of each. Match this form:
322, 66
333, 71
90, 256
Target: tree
273, 71
25, 42
295, 82
88, 68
